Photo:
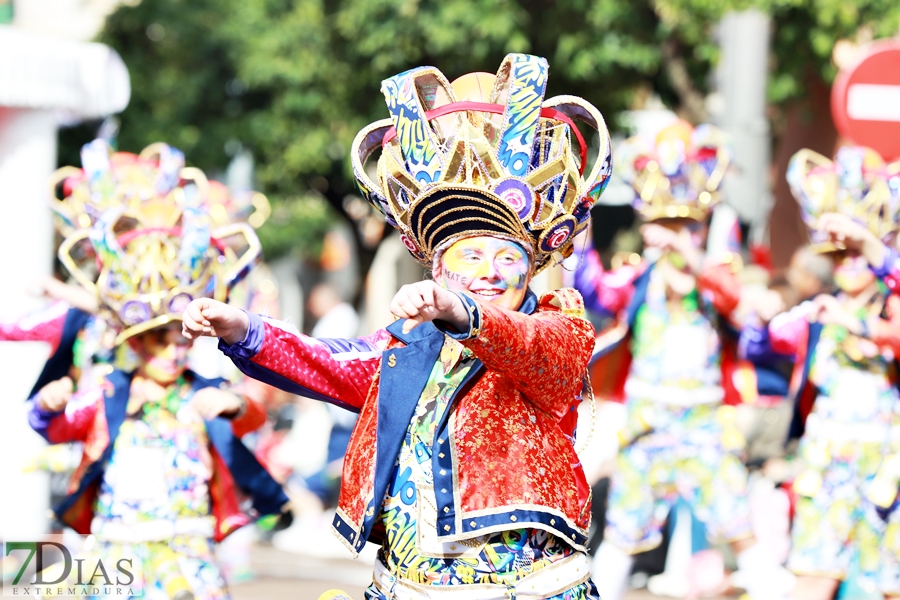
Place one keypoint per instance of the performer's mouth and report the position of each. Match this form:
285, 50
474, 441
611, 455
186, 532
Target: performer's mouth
488, 292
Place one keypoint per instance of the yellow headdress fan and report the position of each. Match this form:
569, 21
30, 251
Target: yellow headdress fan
857, 183
157, 248
679, 175
485, 155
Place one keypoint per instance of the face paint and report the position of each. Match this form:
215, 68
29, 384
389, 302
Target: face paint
851, 272
489, 268
163, 353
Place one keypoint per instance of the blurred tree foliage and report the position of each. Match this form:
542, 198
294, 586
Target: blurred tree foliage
294, 80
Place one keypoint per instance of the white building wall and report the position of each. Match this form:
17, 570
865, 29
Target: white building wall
27, 158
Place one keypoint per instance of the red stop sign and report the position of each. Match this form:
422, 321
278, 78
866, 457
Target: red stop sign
865, 100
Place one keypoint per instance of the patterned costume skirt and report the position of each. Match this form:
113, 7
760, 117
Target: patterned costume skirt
173, 568
683, 454
835, 524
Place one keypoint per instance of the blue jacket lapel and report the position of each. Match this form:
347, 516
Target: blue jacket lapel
798, 421
404, 373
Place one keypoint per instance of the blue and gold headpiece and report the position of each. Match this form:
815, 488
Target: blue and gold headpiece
485, 155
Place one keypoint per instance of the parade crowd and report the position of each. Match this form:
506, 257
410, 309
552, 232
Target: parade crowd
762, 413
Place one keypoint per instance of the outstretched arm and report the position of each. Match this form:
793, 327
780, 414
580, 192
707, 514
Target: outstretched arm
545, 354
43, 326
883, 332
335, 371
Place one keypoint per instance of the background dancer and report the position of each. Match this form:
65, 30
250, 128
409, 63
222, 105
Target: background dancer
845, 377
162, 463
667, 358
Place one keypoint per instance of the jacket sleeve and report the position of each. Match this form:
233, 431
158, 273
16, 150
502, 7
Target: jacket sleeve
332, 370
886, 332
721, 288
42, 326
253, 417
544, 354
604, 292
69, 425
788, 330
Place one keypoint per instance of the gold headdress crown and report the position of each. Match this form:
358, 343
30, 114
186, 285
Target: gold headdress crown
155, 244
485, 155
857, 183
679, 175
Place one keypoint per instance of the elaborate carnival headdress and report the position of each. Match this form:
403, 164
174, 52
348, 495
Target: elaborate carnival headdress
679, 175
857, 183
156, 242
109, 179
485, 155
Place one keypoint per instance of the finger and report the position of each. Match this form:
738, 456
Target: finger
396, 309
416, 298
191, 324
193, 313
410, 324
428, 295
408, 308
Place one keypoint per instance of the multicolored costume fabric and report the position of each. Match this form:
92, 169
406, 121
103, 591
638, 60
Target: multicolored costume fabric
160, 475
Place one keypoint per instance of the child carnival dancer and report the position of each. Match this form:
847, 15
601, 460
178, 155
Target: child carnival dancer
845, 376
162, 464
666, 359
461, 465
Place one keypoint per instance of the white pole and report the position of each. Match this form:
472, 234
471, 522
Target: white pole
741, 79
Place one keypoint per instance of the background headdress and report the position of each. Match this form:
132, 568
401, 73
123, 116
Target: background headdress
154, 239
679, 174
857, 183
110, 179
485, 155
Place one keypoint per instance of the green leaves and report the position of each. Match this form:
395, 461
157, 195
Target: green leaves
294, 80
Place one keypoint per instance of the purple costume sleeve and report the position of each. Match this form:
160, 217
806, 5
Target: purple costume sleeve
40, 419
889, 271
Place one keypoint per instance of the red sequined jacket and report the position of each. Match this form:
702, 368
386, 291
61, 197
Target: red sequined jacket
503, 455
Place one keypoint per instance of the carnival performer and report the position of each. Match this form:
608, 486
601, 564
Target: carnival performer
845, 379
162, 462
461, 465
668, 360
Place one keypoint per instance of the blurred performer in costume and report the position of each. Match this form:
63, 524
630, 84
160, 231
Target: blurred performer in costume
666, 359
162, 463
81, 344
461, 465
845, 378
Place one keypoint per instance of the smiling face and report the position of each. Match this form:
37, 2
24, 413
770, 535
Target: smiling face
163, 353
851, 271
486, 267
